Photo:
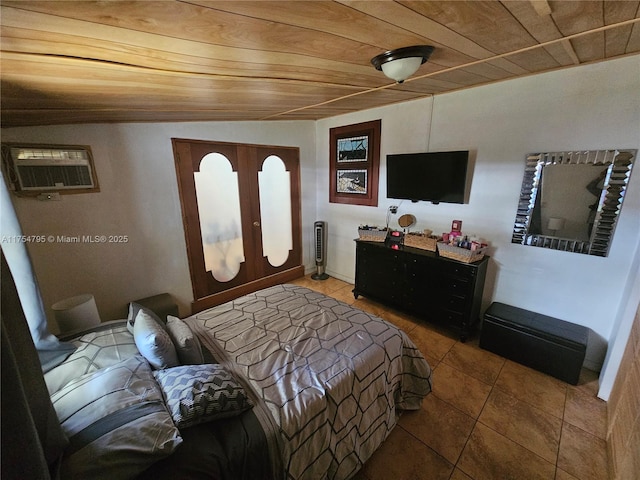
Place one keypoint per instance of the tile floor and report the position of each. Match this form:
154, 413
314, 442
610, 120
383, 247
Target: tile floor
487, 418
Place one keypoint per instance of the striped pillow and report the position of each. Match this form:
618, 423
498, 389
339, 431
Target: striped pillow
200, 393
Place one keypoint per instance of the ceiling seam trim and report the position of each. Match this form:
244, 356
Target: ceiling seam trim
526, 49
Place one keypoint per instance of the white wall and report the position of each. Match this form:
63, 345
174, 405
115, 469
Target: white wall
590, 107
138, 198
622, 329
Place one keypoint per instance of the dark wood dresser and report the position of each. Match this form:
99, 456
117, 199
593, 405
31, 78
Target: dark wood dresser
420, 282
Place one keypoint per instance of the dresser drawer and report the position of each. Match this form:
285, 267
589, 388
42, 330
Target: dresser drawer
454, 303
455, 285
458, 270
454, 319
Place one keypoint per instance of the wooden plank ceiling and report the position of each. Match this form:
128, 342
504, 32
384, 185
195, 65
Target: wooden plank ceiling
138, 61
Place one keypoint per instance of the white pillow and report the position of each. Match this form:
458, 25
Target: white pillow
153, 342
186, 343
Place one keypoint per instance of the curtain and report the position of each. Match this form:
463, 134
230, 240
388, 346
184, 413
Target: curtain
32, 439
50, 351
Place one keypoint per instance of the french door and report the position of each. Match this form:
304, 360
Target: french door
241, 215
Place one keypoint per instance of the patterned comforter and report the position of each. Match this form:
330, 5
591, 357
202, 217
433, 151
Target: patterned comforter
329, 375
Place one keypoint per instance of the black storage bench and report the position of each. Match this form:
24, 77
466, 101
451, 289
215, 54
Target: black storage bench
547, 344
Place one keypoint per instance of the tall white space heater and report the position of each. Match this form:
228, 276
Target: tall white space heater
320, 234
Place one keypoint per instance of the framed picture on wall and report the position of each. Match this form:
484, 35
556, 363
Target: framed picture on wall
353, 149
352, 182
354, 162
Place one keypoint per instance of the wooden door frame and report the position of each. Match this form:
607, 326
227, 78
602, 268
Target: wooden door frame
293, 268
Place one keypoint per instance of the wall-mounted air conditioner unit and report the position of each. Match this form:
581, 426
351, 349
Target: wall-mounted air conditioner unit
35, 169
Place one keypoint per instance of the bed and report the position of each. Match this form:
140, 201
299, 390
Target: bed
283, 383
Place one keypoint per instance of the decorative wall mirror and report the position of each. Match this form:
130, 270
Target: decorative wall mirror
570, 201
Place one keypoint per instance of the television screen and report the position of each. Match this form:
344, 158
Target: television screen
433, 176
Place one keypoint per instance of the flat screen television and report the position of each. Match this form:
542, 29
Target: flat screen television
431, 176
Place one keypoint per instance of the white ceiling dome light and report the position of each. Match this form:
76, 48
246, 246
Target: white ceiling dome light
401, 63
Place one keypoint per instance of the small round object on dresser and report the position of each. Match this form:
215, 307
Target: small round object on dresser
407, 220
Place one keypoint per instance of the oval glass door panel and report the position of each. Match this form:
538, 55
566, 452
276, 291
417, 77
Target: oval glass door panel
275, 209
219, 211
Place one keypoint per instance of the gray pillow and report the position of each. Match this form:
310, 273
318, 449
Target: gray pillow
186, 343
116, 421
134, 308
200, 393
153, 341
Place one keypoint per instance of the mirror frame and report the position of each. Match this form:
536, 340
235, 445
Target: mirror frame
620, 162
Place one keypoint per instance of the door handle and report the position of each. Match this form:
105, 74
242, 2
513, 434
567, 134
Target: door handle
256, 224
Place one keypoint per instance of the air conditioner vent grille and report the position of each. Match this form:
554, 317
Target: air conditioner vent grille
19, 153
55, 177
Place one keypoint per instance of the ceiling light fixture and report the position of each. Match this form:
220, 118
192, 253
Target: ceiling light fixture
401, 63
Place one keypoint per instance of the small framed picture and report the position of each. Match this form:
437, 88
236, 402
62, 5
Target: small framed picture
456, 226
353, 149
352, 182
